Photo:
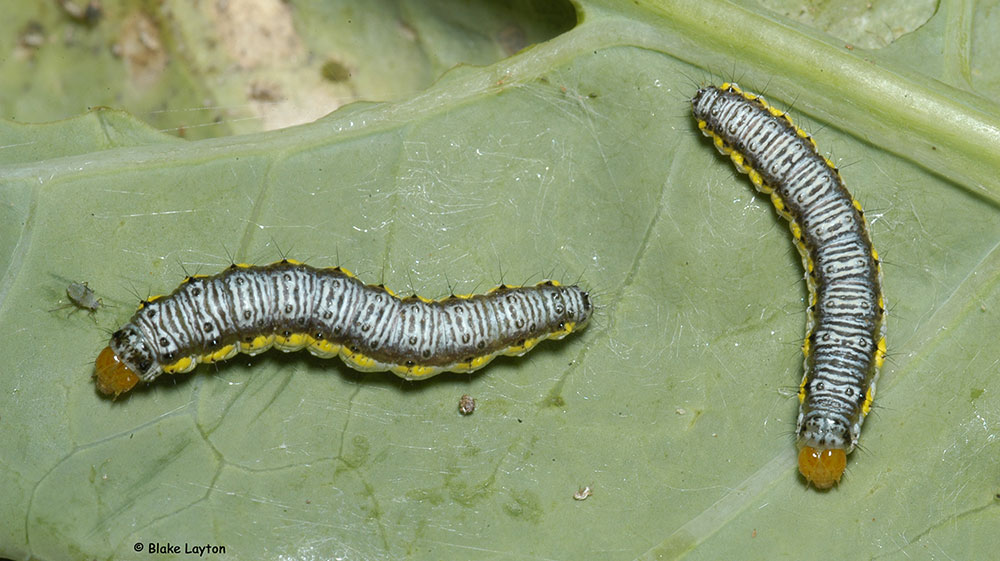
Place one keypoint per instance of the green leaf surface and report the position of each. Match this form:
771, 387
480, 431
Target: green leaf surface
575, 158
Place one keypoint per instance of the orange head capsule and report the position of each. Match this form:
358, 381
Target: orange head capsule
822, 468
113, 377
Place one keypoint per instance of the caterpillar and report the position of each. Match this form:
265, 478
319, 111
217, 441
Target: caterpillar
844, 346
290, 305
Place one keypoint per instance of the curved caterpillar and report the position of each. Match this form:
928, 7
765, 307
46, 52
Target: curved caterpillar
844, 345
291, 306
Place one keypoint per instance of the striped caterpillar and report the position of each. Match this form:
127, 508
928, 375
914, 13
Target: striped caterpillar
844, 345
292, 306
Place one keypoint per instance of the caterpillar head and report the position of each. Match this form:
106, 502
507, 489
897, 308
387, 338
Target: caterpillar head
125, 361
822, 468
824, 443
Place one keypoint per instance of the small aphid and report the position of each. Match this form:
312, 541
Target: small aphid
583, 493
82, 297
466, 405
